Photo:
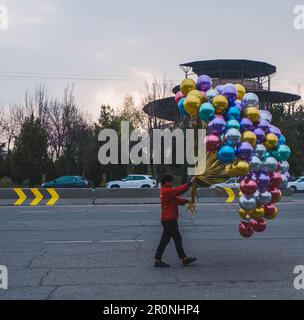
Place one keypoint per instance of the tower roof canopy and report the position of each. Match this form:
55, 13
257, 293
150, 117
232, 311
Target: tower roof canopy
231, 69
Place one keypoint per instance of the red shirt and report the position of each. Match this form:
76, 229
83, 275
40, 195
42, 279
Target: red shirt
170, 201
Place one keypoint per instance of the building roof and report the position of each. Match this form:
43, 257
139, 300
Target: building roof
231, 69
167, 108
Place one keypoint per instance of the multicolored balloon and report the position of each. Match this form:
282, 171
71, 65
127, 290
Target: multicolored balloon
245, 140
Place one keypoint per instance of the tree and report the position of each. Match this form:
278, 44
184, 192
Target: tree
29, 157
292, 127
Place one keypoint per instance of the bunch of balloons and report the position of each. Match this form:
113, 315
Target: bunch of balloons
250, 147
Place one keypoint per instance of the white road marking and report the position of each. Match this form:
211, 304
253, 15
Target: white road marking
62, 242
24, 222
33, 211
120, 241
90, 241
133, 211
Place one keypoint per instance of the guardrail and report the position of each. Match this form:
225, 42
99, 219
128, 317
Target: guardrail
51, 197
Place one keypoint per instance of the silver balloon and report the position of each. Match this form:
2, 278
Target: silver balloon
248, 203
284, 183
266, 115
234, 136
270, 165
212, 93
250, 100
284, 167
264, 198
260, 151
255, 164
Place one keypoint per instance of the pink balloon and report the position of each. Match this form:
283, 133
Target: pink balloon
275, 179
178, 97
212, 142
259, 225
249, 187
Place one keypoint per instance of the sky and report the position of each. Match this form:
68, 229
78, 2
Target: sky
123, 43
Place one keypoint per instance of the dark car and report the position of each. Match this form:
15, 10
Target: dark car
69, 182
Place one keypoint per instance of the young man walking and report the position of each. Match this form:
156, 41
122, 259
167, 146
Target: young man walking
170, 201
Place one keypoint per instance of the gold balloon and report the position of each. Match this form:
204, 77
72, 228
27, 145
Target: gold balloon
241, 91
272, 217
187, 85
198, 94
271, 141
229, 171
257, 214
250, 137
241, 168
244, 214
252, 113
192, 104
220, 104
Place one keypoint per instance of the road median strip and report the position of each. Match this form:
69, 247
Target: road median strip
33, 197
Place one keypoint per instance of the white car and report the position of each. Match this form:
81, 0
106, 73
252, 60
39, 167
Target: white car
231, 183
133, 181
297, 185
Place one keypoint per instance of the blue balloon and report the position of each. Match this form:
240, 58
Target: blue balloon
206, 112
283, 153
234, 113
282, 139
233, 124
181, 107
226, 154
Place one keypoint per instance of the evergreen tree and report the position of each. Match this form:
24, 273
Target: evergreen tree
29, 157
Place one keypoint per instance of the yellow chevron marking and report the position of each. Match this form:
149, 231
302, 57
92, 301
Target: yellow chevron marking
55, 197
38, 197
231, 195
21, 195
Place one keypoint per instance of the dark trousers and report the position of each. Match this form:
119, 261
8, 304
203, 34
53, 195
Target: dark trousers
170, 231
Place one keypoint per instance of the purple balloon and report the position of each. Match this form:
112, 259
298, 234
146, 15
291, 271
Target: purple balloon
266, 115
264, 125
260, 135
230, 92
246, 125
219, 88
204, 83
217, 125
245, 151
263, 181
275, 131
288, 176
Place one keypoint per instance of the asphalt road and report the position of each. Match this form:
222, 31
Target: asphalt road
106, 252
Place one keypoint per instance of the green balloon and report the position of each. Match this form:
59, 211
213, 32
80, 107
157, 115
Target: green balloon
206, 112
283, 153
233, 124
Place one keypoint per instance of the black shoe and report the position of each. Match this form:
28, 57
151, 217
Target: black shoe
161, 264
188, 261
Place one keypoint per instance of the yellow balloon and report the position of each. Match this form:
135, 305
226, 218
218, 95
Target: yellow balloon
192, 104
271, 141
252, 113
187, 85
250, 137
244, 214
241, 91
273, 216
241, 168
198, 94
220, 104
229, 170
257, 214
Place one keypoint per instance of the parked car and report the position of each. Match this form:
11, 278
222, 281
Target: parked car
133, 181
231, 183
68, 182
297, 184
